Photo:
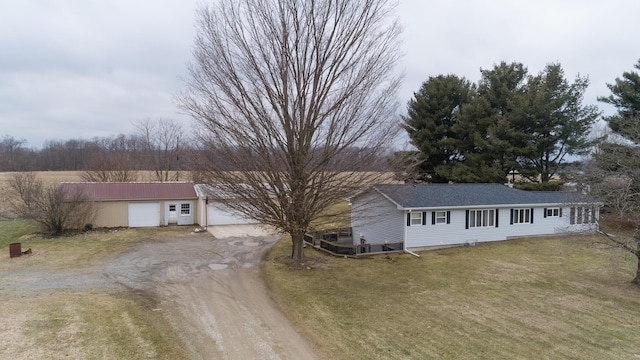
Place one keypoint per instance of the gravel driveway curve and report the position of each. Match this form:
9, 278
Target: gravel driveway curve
211, 291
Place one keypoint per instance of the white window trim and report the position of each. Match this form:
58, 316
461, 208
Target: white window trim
182, 209
522, 216
415, 221
553, 212
441, 218
583, 215
487, 217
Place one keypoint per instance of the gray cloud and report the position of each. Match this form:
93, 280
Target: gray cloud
85, 68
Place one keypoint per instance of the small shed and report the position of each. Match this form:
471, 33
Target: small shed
139, 204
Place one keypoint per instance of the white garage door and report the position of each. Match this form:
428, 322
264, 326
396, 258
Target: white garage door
144, 214
218, 214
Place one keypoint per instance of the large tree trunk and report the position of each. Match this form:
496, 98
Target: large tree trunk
636, 280
636, 252
297, 253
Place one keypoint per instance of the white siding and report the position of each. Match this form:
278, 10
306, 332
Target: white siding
439, 234
201, 212
188, 218
457, 233
377, 219
220, 214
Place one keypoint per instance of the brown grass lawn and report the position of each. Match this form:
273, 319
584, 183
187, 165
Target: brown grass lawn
564, 297
74, 322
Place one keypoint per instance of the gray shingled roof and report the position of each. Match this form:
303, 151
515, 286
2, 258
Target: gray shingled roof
454, 195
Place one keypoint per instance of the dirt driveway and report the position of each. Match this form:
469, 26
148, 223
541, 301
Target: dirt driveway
211, 291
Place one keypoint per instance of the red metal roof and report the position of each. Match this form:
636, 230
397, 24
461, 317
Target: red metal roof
132, 190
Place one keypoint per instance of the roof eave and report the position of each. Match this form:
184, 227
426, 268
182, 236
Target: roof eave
148, 199
462, 207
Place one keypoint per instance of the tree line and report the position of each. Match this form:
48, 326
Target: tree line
157, 145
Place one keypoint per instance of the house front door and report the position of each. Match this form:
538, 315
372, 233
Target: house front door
173, 214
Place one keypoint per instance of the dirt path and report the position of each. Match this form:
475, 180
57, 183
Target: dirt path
211, 291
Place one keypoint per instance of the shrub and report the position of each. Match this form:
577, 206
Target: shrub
54, 209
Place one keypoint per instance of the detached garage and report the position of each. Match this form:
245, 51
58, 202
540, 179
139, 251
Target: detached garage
221, 220
140, 204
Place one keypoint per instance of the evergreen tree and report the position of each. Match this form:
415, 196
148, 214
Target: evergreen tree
625, 96
432, 113
553, 122
483, 135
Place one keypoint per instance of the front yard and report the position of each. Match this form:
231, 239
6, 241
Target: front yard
565, 297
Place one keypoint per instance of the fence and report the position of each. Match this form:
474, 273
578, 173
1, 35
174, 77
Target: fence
340, 242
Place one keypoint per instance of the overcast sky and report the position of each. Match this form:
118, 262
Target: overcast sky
87, 68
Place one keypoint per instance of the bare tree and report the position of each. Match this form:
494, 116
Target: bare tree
281, 89
53, 208
107, 167
405, 166
12, 153
110, 163
614, 177
162, 140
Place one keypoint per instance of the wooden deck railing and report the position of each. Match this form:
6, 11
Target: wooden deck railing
340, 242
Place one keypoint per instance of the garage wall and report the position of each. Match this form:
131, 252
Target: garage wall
220, 214
111, 214
116, 213
201, 212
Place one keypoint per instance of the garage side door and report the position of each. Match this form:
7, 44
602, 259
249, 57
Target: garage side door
219, 214
144, 214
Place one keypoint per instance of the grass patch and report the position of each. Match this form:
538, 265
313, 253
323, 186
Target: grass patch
88, 325
78, 324
66, 251
336, 216
559, 297
12, 230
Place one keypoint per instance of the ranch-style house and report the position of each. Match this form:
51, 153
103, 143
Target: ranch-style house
429, 215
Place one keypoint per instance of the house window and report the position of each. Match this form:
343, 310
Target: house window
572, 215
172, 208
552, 212
185, 209
416, 218
580, 219
441, 217
521, 216
481, 218
583, 215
